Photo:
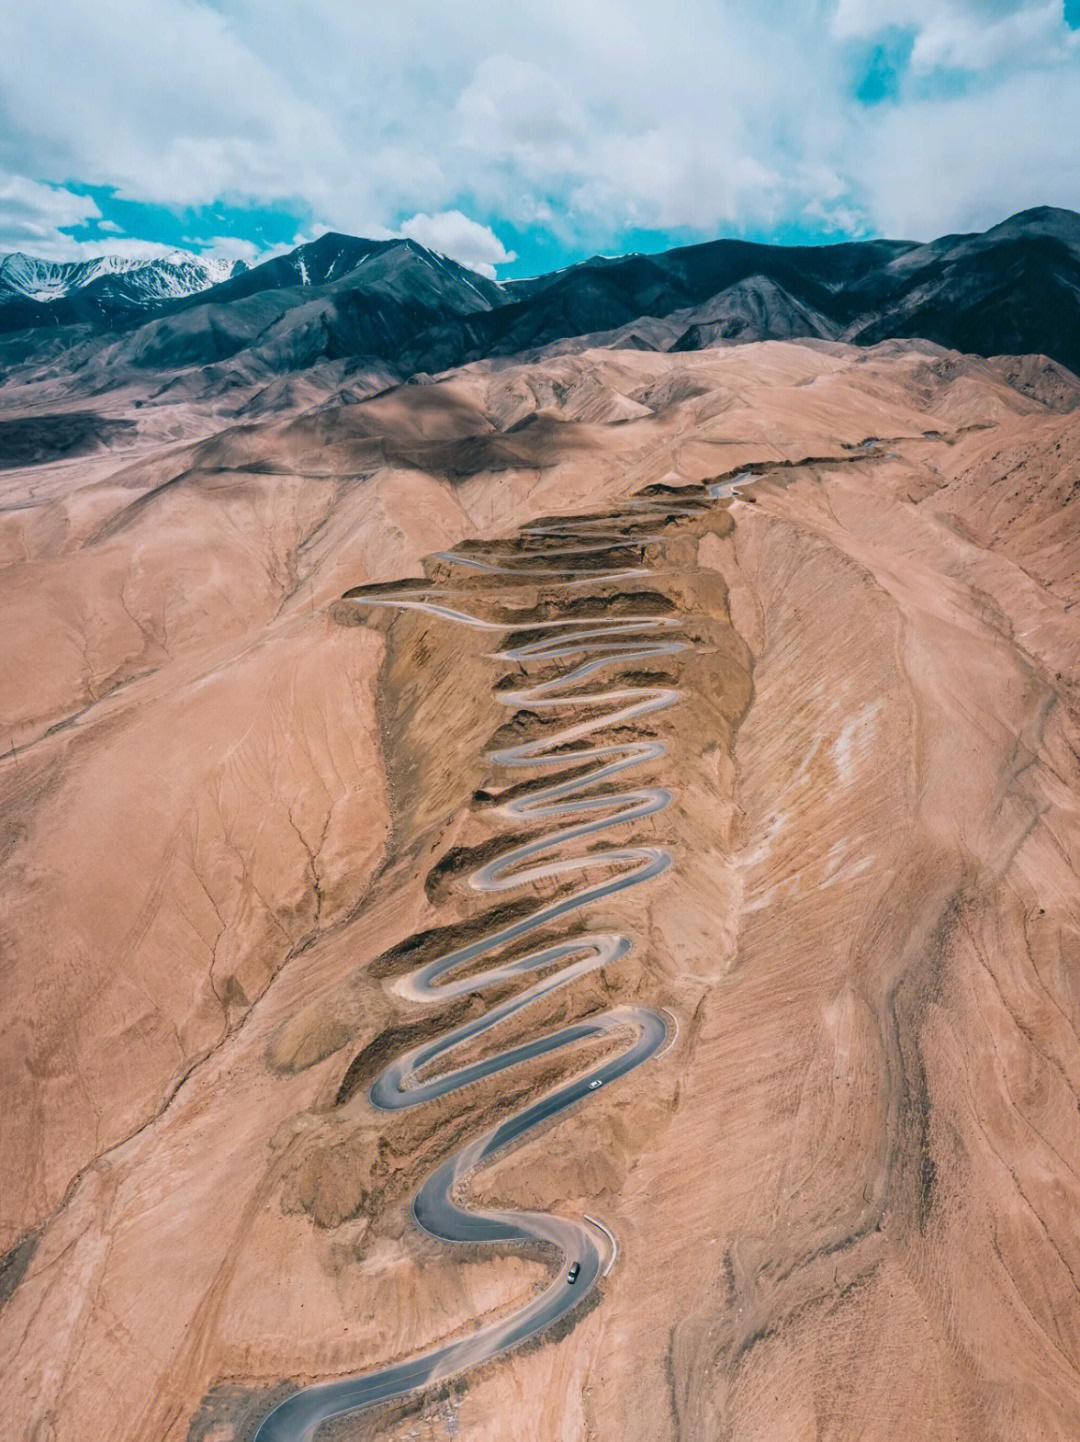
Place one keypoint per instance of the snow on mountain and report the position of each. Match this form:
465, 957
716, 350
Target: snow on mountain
113, 277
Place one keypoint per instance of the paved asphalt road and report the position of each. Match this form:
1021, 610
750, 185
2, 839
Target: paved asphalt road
406, 1081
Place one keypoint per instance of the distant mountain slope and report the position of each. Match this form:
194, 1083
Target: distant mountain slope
359, 299
334, 258
393, 307
753, 309
1014, 290
44, 292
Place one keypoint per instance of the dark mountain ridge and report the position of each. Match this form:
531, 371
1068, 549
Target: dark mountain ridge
395, 307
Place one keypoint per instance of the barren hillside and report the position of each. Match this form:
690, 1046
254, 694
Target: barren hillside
284, 724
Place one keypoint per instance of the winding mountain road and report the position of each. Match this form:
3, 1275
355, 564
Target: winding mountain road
595, 645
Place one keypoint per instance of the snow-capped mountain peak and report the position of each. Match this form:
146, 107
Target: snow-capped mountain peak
139, 281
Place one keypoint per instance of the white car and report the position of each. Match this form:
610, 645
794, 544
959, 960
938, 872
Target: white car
594, 1084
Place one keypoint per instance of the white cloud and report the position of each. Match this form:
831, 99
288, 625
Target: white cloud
586, 120
231, 247
965, 163
964, 34
162, 99
462, 239
32, 215
599, 116
515, 110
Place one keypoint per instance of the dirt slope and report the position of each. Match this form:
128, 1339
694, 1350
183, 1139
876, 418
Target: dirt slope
844, 1198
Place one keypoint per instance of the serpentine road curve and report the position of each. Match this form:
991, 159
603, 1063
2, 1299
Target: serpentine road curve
596, 645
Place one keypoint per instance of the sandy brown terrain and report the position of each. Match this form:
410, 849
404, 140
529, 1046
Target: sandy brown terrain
844, 1198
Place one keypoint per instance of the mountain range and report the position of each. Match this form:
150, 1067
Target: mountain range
393, 308
391, 761
48, 292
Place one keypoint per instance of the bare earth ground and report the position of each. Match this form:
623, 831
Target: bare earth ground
845, 1198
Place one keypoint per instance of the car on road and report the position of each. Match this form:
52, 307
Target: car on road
572, 1274
594, 1084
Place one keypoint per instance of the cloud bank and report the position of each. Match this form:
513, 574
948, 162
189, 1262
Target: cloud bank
467, 124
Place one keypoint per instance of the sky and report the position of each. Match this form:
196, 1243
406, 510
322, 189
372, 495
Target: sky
521, 137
